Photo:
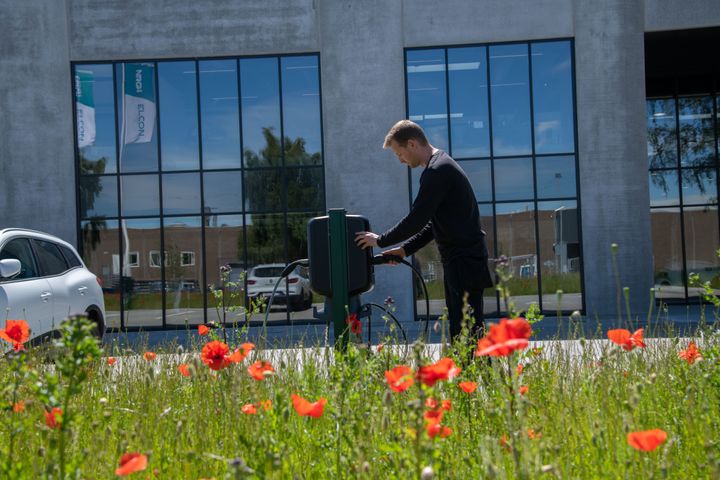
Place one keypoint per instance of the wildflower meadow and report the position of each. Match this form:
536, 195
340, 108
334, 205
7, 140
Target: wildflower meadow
502, 407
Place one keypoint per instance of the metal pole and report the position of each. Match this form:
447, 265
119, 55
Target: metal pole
339, 276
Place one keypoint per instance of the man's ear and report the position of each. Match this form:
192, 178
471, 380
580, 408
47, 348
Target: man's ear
411, 144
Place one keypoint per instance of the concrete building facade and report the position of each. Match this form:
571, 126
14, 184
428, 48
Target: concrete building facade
361, 47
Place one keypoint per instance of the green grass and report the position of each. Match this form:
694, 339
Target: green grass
583, 405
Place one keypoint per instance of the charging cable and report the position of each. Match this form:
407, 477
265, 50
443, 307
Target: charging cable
381, 259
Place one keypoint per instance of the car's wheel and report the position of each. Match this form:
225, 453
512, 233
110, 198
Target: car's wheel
96, 317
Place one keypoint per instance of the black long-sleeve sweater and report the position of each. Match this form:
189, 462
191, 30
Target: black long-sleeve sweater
445, 209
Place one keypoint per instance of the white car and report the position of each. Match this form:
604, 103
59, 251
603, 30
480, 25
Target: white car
262, 279
43, 281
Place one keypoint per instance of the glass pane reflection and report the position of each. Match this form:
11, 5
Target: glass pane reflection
95, 122
552, 97
468, 90
426, 92
101, 254
559, 255
141, 273
223, 192
697, 139
183, 271
178, 116
225, 245
701, 243
513, 179
264, 190
98, 196
259, 87
137, 115
664, 189
667, 253
181, 193
515, 223
661, 137
219, 114
555, 176
304, 188
698, 186
139, 195
509, 88
301, 110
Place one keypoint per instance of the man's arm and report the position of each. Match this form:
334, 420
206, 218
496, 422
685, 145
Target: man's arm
419, 240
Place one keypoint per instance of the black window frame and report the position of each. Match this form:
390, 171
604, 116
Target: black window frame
533, 155
203, 215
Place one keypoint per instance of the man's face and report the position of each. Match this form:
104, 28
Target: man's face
409, 154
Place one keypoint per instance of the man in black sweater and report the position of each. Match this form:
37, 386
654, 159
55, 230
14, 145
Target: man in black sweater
445, 209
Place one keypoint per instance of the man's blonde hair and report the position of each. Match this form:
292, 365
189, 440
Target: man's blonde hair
403, 131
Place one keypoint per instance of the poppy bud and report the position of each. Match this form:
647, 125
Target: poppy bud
365, 467
103, 400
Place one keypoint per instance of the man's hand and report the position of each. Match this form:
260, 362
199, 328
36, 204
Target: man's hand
398, 252
366, 239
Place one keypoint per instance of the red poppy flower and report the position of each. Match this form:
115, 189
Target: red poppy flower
692, 354
647, 440
524, 389
306, 408
184, 369
111, 360
19, 407
504, 338
399, 378
131, 463
265, 404
520, 369
468, 387
532, 434
443, 369
431, 403
149, 356
379, 347
505, 443
446, 405
433, 415
239, 355
625, 339
434, 429
215, 355
355, 325
16, 332
203, 330
249, 409
53, 418
259, 370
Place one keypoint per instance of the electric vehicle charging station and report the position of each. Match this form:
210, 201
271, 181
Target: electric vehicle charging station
341, 271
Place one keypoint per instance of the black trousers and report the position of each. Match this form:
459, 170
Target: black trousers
466, 276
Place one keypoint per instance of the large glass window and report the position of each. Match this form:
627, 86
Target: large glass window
189, 166
683, 174
511, 127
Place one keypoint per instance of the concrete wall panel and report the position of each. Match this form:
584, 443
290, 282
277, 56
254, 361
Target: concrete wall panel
612, 151
681, 14
101, 30
37, 174
429, 22
363, 96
